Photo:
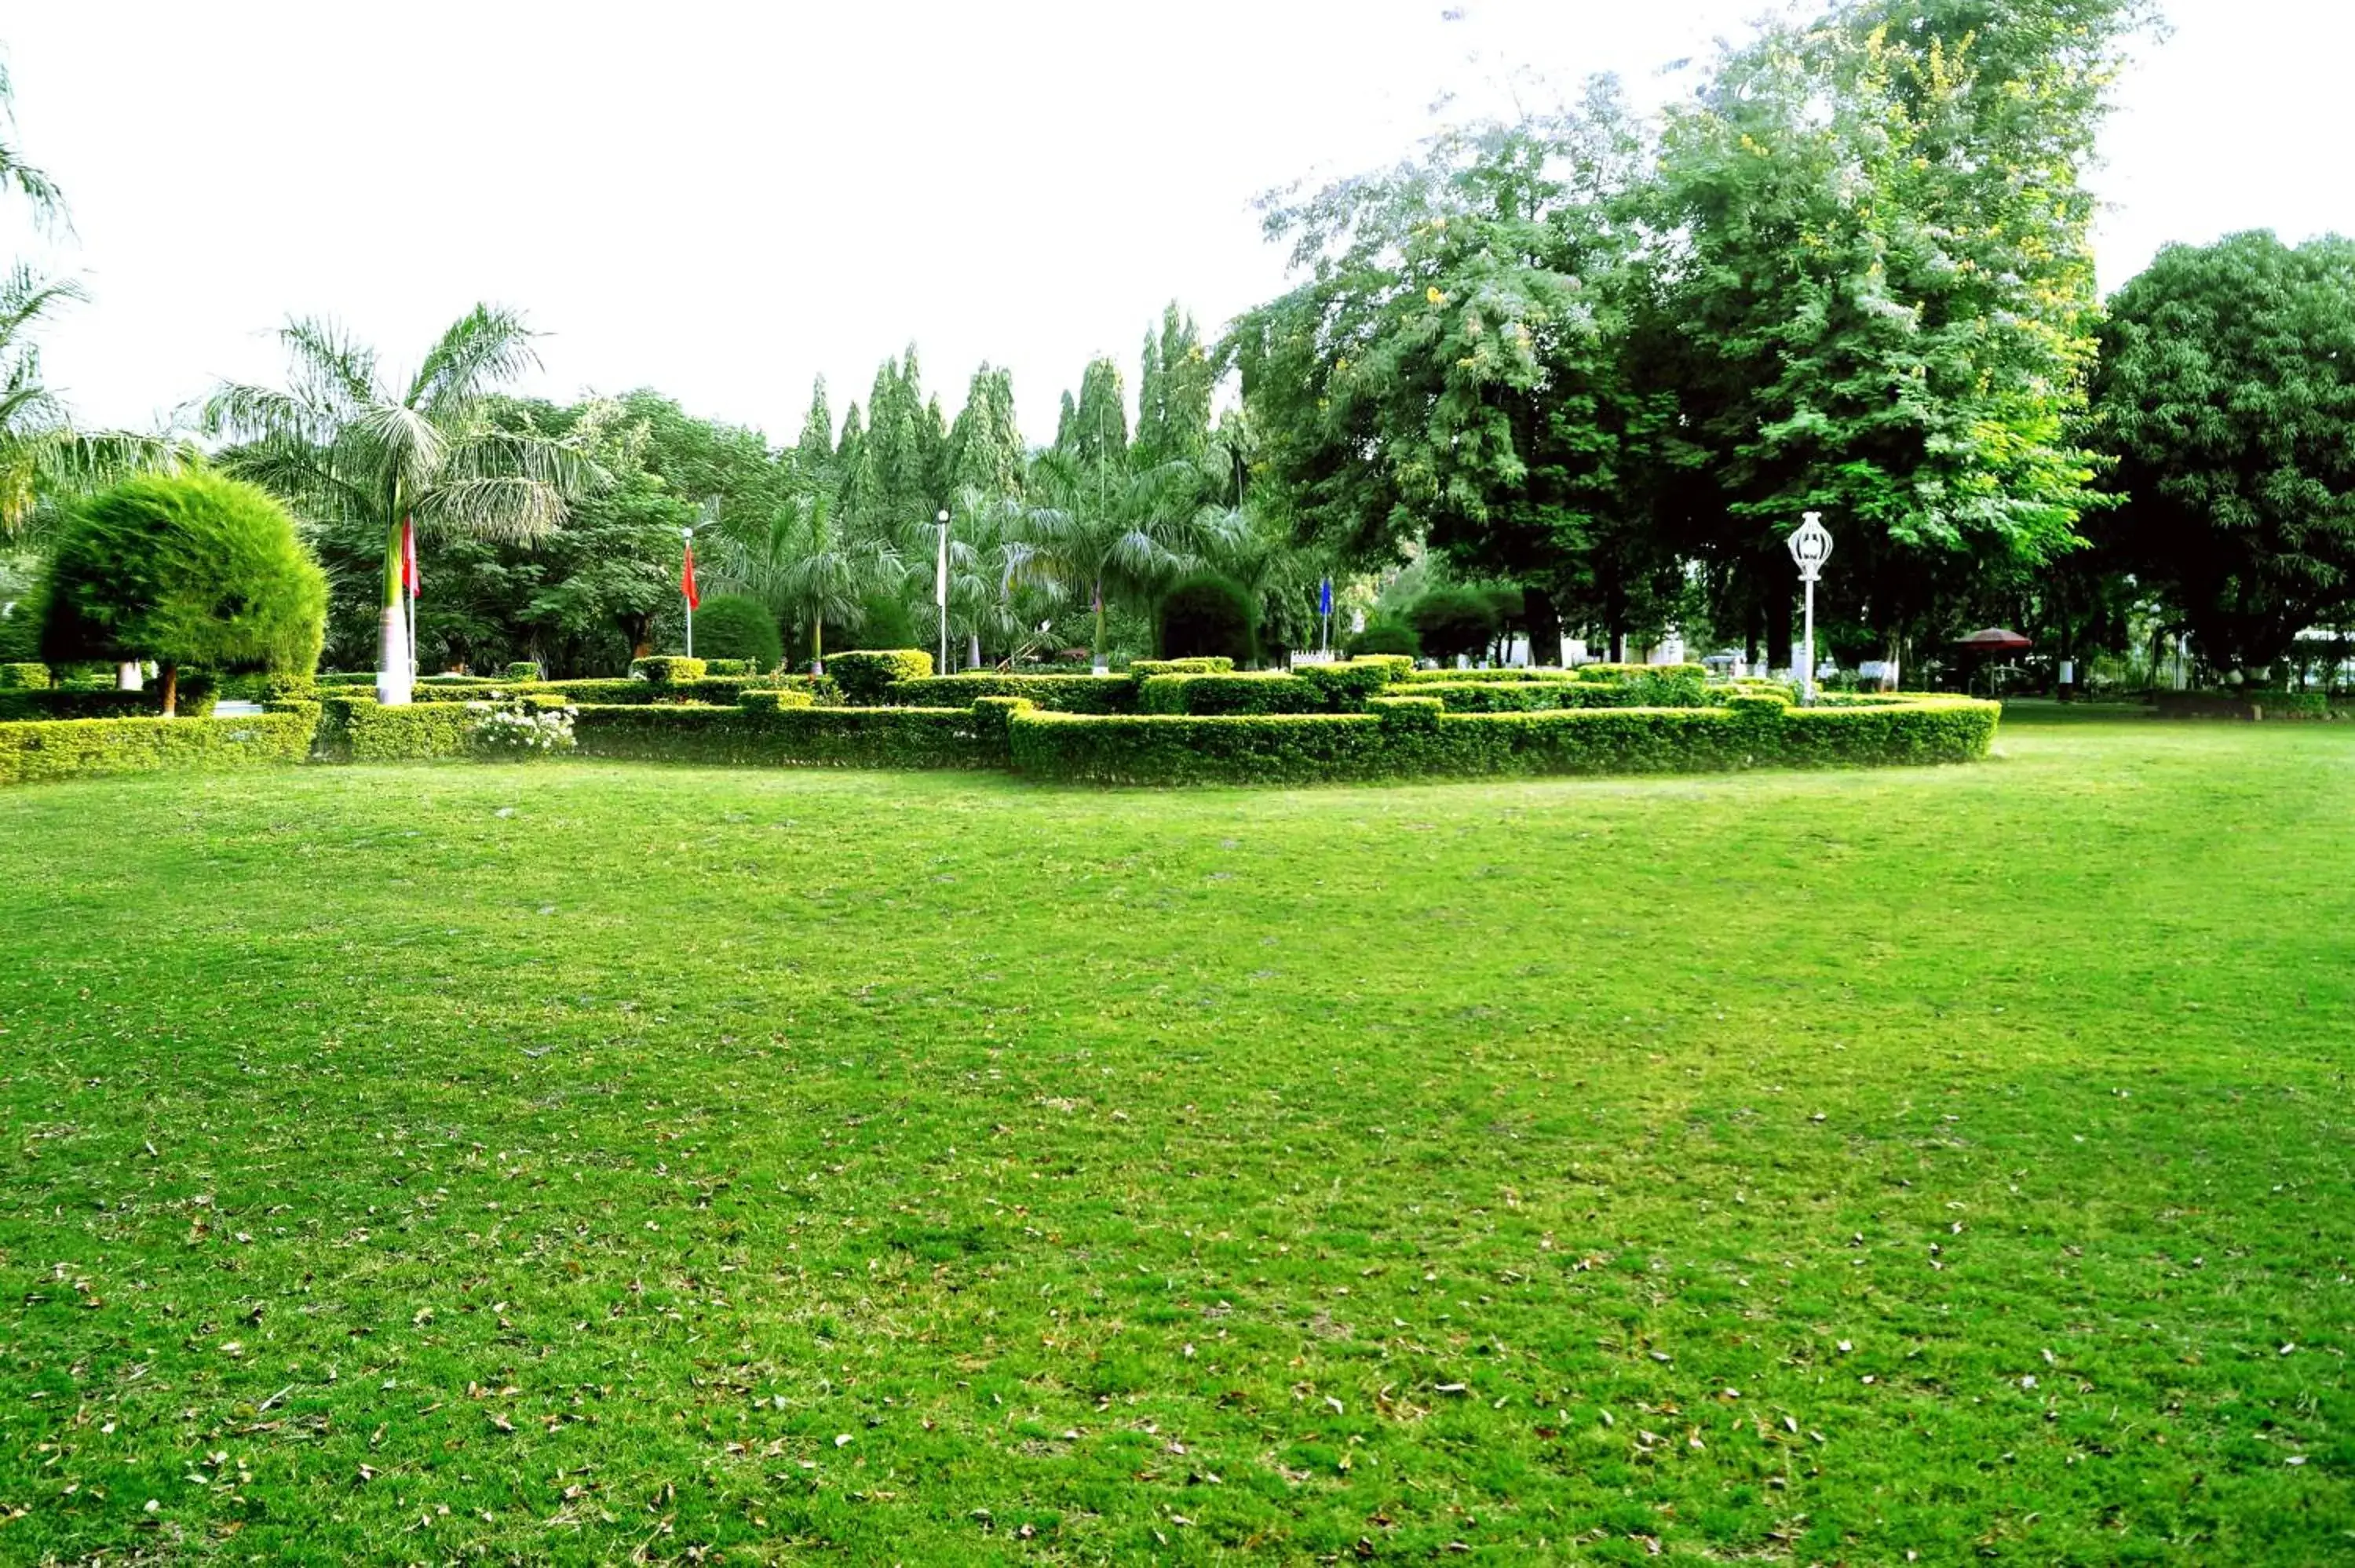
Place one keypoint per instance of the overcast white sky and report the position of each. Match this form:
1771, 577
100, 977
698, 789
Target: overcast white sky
721, 200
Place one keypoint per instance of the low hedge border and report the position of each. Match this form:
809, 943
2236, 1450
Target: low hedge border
1416, 738
1342, 688
31, 704
354, 728
712, 689
867, 675
1055, 693
787, 737
2257, 705
39, 750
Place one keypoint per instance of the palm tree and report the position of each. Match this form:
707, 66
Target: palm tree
48, 202
1111, 530
342, 442
983, 529
43, 458
804, 566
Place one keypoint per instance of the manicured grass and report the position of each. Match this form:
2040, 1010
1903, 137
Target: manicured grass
570, 1161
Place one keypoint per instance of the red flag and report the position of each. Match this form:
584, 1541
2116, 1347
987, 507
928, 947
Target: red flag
409, 577
686, 579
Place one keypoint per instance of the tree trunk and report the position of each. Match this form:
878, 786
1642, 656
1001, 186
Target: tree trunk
394, 678
1545, 627
128, 677
1778, 625
817, 645
973, 650
171, 690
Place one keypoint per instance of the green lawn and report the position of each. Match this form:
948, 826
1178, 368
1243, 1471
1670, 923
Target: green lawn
573, 1162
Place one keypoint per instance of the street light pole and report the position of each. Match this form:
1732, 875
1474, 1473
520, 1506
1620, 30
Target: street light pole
686, 577
941, 590
1811, 546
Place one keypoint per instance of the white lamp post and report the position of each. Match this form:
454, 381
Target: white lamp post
940, 589
1811, 546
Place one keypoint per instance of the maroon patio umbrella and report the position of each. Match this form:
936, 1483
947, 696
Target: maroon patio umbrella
1993, 639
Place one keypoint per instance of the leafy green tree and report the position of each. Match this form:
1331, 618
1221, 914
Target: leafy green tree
344, 442
813, 454
190, 569
986, 448
1452, 620
1882, 306
1094, 430
2227, 394
1453, 369
1174, 387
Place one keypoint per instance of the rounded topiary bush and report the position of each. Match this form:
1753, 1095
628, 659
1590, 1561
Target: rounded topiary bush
188, 570
738, 626
1449, 622
1207, 615
1385, 637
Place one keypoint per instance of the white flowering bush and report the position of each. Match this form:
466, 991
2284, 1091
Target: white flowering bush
519, 730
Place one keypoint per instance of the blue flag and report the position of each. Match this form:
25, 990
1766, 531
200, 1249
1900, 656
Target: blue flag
1325, 597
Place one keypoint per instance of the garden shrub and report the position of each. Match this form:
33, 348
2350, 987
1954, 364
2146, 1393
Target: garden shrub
1508, 672
40, 750
1449, 622
725, 667
769, 699
22, 676
1207, 615
787, 737
1233, 692
1414, 737
356, 728
865, 675
348, 678
2253, 703
191, 569
1384, 637
667, 669
737, 626
31, 704
525, 728
1087, 694
524, 670
1142, 670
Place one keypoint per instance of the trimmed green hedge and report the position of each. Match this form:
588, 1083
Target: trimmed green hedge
24, 677
1141, 670
2250, 703
1407, 738
23, 705
866, 674
360, 729
788, 736
64, 749
722, 690
1056, 694
668, 669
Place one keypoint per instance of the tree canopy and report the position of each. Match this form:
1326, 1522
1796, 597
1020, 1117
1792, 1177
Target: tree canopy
2227, 389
